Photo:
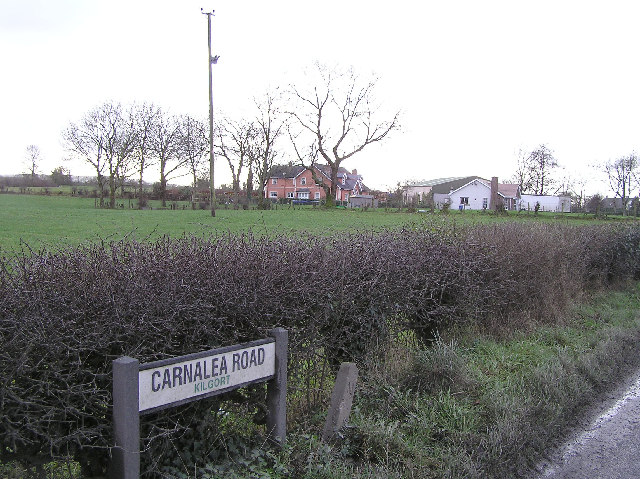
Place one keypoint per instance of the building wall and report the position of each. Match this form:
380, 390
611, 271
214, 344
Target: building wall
440, 198
358, 201
559, 204
476, 193
290, 188
418, 192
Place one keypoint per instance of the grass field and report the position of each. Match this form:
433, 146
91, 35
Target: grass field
53, 221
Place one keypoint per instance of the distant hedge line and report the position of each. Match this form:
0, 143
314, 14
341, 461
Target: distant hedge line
64, 316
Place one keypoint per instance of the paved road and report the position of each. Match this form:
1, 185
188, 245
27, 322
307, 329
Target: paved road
609, 448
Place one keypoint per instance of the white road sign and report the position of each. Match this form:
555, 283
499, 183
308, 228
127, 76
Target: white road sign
186, 378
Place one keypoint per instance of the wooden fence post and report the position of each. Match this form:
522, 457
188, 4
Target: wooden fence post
277, 390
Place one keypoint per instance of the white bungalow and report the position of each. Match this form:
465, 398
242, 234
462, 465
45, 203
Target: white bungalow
476, 195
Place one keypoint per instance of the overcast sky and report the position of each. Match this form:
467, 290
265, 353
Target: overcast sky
476, 81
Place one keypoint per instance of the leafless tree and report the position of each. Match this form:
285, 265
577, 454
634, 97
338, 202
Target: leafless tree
573, 185
623, 177
32, 159
235, 139
120, 138
145, 115
269, 126
194, 146
542, 164
522, 176
104, 138
336, 119
535, 170
165, 145
86, 140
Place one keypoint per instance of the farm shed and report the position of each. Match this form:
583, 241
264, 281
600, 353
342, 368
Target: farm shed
360, 201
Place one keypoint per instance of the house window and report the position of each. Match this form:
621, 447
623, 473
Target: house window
290, 194
303, 181
464, 200
274, 181
303, 195
317, 195
485, 203
344, 180
273, 194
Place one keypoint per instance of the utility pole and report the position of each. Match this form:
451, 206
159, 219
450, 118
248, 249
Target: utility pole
212, 60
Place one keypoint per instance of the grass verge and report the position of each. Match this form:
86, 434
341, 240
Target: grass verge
476, 406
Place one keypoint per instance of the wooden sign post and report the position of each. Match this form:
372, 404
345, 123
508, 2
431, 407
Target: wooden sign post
144, 388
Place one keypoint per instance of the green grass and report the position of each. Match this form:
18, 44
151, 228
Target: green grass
51, 221
474, 405
59, 220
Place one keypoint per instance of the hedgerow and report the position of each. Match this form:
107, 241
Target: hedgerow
66, 315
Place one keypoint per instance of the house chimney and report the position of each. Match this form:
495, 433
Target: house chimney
493, 202
354, 172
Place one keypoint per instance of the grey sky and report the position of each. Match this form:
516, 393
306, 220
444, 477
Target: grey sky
476, 81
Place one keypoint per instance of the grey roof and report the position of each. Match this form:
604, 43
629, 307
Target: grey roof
286, 171
348, 185
326, 169
437, 181
445, 185
508, 190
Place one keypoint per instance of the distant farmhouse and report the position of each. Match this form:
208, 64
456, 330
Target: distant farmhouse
297, 183
474, 193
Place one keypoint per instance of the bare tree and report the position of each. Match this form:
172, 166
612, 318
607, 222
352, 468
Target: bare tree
573, 185
85, 140
269, 127
120, 138
234, 144
104, 138
194, 146
145, 116
32, 160
165, 145
542, 164
523, 176
623, 177
535, 170
336, 119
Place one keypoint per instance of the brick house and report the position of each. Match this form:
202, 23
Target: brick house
297, 183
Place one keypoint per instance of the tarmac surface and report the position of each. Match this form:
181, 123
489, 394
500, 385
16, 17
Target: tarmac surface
607, 448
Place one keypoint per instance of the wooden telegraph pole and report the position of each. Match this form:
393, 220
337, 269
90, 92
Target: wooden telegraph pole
212, 60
